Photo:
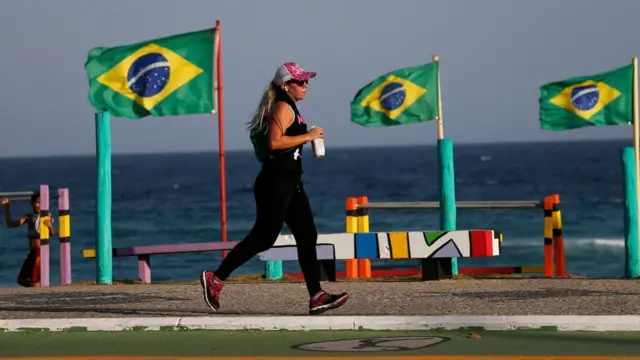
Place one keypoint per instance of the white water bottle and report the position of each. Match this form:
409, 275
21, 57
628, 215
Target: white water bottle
317, 146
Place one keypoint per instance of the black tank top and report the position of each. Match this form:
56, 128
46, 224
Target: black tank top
283, 159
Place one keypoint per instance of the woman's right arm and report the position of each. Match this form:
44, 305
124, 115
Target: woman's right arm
281, 119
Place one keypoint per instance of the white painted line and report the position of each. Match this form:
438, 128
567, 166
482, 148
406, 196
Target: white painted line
223, 322
383, 245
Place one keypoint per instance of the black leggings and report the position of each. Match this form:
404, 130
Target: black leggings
280, 198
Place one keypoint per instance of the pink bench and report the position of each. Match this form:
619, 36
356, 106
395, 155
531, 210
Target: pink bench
144, 253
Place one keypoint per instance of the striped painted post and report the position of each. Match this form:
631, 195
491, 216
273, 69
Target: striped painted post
44, 235
351, 221
559, 256
364, 265
548, 236
64, 233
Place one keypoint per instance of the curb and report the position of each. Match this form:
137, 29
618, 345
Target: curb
561, 323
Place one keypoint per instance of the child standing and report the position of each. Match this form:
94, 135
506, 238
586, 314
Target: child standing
29, 275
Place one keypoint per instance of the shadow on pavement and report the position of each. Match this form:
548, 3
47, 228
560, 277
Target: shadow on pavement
531, 294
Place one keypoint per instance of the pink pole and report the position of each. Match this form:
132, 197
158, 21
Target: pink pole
44, 235
64, 234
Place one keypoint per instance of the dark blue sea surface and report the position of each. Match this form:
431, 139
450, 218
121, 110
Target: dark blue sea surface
174, 198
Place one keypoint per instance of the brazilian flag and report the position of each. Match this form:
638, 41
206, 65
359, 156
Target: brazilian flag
161, 77
404, 96
594, 100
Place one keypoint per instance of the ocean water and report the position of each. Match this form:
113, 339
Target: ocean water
174, 198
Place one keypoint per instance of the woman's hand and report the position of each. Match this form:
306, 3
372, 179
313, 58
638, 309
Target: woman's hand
315, 133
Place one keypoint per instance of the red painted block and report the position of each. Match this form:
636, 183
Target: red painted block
481, 243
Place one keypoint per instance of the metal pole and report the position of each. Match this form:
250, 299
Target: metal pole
459, 204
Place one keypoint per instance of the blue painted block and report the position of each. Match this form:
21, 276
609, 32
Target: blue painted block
366, 246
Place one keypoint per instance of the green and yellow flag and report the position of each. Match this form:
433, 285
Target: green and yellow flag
404, 96
162, 77
594, 100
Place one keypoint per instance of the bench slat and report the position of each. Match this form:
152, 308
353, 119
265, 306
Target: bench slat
174, 248
285, 253
166, 249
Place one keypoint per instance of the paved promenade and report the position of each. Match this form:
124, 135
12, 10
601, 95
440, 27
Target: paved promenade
411, 316
451, 297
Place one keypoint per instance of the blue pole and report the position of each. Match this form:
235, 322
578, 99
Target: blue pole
447, 191
631, 243
104, 249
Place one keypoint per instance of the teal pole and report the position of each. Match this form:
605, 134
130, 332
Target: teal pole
104, 249
273, 269
631, 243
447, 191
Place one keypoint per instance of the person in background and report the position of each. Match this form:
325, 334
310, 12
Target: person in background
29, 275
278, 133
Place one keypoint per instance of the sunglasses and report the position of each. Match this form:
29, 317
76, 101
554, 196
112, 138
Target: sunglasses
298, 82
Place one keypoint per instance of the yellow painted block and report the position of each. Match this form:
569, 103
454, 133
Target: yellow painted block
363, 224
352, 224
532, 269
548, 227
557, 220
89, 253
399, 244
44, 231
65, 226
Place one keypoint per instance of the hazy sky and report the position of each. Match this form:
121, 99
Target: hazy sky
494, 56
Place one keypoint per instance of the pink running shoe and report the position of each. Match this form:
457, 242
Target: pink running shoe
211, 286
323, 301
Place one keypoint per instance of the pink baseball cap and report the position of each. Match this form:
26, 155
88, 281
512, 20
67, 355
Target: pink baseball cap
291, 71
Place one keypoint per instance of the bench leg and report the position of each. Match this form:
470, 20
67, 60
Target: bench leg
436, 269
327, 270
144, 269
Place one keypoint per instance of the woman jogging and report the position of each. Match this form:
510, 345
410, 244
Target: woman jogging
278, 133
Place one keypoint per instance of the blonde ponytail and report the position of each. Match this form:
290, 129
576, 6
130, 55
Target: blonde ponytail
258, 122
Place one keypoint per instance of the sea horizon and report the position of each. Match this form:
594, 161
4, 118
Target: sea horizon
337, 147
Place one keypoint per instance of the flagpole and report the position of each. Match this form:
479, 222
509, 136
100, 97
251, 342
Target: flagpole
631, 182
446, 174
223, 185
636, 144
436, 59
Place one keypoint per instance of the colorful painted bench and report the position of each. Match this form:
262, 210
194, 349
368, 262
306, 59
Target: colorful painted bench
423, 245
393, 245
341, 246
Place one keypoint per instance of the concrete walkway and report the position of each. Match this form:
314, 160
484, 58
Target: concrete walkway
395, 307
569, 304
453, 297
